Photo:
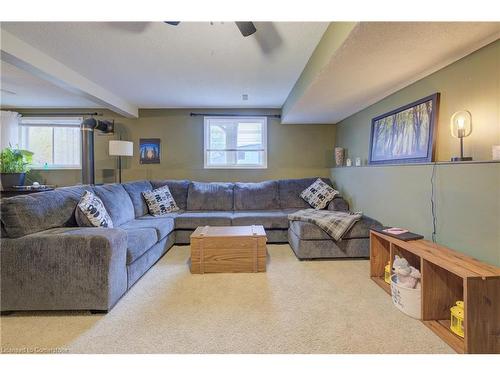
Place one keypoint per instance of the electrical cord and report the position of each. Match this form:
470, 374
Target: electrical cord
433, 202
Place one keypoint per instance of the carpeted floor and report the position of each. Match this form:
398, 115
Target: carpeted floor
295, 307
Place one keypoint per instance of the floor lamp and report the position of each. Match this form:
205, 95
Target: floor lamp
121, 148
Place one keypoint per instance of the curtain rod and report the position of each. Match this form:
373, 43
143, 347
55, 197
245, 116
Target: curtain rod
61, 114
235, 115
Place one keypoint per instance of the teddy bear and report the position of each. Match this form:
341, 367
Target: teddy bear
407, 276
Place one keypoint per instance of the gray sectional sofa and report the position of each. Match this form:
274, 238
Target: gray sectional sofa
49, 263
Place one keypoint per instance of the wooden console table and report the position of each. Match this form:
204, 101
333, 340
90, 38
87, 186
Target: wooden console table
447, 276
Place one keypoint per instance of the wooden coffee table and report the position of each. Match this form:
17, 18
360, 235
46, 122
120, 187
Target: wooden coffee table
228, 249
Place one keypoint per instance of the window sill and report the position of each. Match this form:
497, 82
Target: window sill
235, 167
56, 169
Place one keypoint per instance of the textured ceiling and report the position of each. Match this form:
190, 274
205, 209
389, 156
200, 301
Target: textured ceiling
20, 89
194, 64
379, 58
155, 65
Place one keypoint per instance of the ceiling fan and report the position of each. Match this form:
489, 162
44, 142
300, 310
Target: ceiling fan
246, 28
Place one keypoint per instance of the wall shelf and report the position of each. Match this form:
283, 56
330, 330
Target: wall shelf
441, 328
447, 276
438, 163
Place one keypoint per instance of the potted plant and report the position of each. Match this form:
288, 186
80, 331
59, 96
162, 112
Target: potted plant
14, 163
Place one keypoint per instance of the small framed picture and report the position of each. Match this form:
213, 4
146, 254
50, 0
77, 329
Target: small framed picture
149, 150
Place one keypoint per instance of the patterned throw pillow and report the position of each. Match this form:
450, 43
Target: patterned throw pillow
160, 201
90, 212
318, 194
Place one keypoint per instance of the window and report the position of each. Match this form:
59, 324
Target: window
235, 142
55, 142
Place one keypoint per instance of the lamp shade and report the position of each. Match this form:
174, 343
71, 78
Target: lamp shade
461, 124
121, 148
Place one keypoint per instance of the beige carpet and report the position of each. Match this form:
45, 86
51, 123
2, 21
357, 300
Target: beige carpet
295, 307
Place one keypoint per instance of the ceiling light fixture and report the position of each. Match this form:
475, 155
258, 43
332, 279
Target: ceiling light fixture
246, 28
244, 96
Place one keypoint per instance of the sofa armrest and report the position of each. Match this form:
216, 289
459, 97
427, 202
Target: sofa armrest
338, 204
64, 269
362, 228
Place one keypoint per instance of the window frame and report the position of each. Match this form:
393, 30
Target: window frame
206, 142
51, 122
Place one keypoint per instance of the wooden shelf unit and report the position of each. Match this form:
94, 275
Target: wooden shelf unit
447, 276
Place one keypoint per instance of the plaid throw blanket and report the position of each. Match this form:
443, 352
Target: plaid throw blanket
335, 223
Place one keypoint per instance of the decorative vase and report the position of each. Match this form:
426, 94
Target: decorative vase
12, 179
339, 156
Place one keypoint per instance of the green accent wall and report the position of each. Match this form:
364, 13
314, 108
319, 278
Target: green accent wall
467, 202
467, 195
293, 150
472, 83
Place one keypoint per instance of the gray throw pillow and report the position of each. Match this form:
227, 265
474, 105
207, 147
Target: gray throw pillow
90, 212
160, 201
318, 194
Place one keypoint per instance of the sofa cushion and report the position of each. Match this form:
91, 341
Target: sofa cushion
290, 189
162, 225
171, 215
210, 196
338, 204
362, 228
194, 219
90, 212
256, 196
318, 194
269, 219
117, 202
134, 190
139, 240
178, 189
309, 231
36, 212
160, 201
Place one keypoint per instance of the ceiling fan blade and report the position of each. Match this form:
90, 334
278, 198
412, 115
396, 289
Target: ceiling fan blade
246, 28
173, 23
268, 38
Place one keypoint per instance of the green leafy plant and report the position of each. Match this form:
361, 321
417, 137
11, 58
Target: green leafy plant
14, 160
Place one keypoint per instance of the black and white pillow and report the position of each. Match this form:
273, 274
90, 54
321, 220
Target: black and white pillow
90, 212
318, 194
160, 201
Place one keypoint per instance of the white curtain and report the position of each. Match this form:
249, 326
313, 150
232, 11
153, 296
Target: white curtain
9, 129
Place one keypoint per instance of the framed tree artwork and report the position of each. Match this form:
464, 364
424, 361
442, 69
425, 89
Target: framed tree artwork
406, 134
149, 151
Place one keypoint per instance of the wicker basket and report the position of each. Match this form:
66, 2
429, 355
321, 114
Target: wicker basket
407, 300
